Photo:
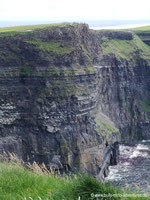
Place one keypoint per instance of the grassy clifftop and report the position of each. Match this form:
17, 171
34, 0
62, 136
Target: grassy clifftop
31, 27
126, 49
124, 44
144, 28
143, 33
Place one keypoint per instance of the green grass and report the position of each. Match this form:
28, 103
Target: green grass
52, 71
145, 103
18, 183
31, 27
144, 28
103, 125
87, 57
126, 48
56, 47
104, 128
143, 33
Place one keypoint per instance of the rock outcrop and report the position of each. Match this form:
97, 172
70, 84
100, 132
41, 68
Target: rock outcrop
68, 103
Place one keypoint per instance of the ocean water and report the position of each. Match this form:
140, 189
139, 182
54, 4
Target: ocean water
133, 169
118, 24
125, 26
94, 24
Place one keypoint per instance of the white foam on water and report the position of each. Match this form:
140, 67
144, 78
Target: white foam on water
115, 171
125, 172
135, 154
126, 164
145, 141
138, 151
114, 174
126, 151
142, 147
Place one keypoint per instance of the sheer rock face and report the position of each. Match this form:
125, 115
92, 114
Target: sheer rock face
65, 104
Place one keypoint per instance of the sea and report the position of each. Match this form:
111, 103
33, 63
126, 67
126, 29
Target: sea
93, 24
118, 24
133, 170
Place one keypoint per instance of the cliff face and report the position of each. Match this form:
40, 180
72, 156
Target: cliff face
126, 100
68, 96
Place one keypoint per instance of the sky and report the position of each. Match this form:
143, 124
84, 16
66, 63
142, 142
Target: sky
53, 10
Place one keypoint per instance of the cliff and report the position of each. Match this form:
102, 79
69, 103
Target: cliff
69, 95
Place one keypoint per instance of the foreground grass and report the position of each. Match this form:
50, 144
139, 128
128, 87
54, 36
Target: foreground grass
18, 183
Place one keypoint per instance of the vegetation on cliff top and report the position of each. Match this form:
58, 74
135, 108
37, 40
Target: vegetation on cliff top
139, 46
19, 183
31, 27
143, 33
56, 47
126, 48
143, 28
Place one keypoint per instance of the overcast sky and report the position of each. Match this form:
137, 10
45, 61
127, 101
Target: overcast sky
51, 10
